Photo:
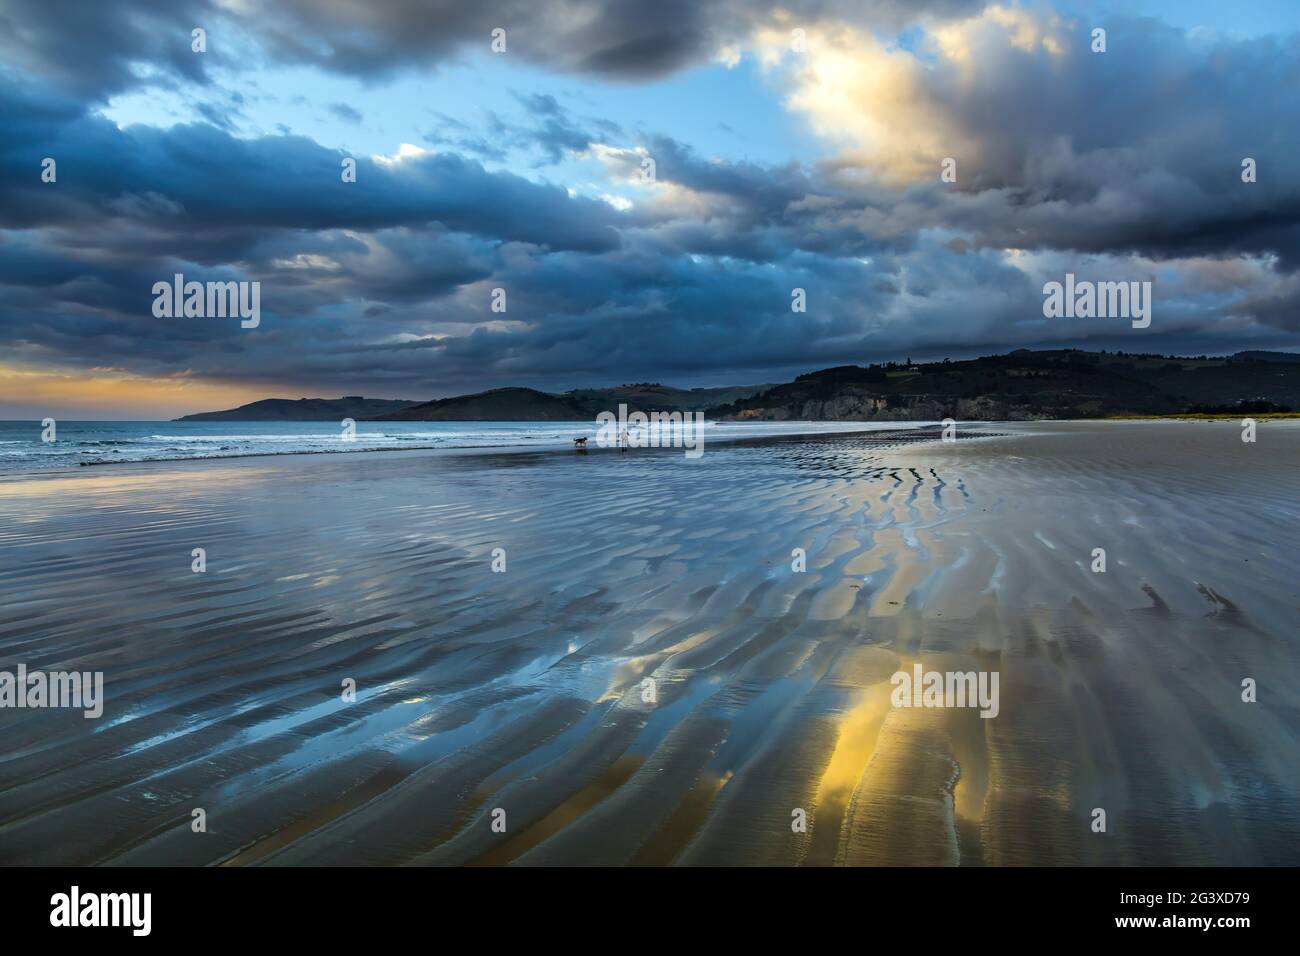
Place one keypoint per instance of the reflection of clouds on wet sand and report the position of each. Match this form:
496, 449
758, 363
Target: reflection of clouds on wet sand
526, 690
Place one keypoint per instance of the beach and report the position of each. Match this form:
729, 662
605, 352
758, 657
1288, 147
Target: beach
610, 658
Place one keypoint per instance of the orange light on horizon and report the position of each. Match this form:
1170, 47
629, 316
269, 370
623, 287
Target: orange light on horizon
115, 393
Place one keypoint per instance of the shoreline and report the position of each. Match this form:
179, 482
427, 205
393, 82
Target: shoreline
868, 428
513, 448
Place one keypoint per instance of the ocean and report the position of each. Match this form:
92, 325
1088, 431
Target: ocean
91, 443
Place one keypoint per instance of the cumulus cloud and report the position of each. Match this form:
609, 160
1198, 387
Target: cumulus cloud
1138, 149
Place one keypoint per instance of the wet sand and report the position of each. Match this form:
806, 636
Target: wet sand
525, 690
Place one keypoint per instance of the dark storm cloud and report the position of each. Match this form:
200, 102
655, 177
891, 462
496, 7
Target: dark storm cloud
92, 47
618, 39
97, 48
179, 180
79, 256
1279, 309
642, 315
1138, 149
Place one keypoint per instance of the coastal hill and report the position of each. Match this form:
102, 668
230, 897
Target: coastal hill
650, 396
495, 405
303, 410
529, 405
1021, 385
1024, 384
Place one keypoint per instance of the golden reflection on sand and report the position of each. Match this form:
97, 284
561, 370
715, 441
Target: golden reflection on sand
858, 732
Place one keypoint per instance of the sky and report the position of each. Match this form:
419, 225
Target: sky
646, 183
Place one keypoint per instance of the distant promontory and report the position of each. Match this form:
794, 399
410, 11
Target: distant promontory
1024, 384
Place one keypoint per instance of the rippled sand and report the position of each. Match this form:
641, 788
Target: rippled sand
524, 690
